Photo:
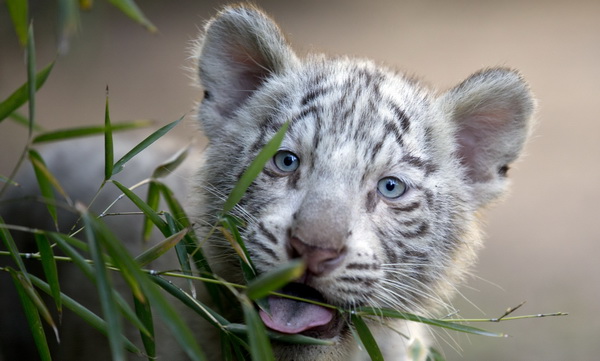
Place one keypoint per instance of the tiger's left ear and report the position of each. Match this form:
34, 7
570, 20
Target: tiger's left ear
492, 112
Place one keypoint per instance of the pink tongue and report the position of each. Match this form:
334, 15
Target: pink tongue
289, 316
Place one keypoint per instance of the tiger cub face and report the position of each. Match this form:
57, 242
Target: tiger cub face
377, 184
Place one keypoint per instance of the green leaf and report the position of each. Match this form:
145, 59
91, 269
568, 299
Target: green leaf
366, 337
19, 16
144, 313
254, 169
11, 246
298, 339
201, 309
108, 142
260, 346
160, 248
85, 314
167, 167
384, 312
130, 8
264, 284
4, 179
107, 300
152, 200
68, 22
21, 95
145, 208
50, 269
22, 120
32, 315
231, 233
143, 145
136, 278
79, 132
46, 181
434, 355
31, 77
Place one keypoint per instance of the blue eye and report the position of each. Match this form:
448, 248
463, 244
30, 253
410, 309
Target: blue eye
391, 187
286, 161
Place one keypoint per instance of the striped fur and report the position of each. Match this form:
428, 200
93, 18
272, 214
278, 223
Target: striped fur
353, 123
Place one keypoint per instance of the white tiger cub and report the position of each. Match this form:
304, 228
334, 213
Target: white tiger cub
378, 184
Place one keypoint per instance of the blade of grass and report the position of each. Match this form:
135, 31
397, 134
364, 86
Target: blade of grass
103, 284
230, 231
19, 15
108, 142
167, 167
4, 179
130, 8
79, 132
22, 120
82, 312
11, 246
366, 337
21, 95
43, 177
129, 269
160, 248
145, 208
152, 200
144, 313
264, 284
63, 243
298, 339
31, 77
50, 269
33, 317
143, 145
361, 311
68, 23
254, 169
260, 346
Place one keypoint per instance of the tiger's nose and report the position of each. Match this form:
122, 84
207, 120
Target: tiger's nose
319, 260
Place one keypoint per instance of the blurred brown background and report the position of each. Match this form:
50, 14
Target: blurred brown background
543, 241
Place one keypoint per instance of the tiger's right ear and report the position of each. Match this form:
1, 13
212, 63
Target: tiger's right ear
241, 48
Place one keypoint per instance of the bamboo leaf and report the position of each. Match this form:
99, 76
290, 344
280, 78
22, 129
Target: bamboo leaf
264, 284
44, 177
68, 22
21, 95
31, 77
78, 132
214, 318
366, 337
230, 232
130, 8
152, 200
254, 169
145, 208
160, 248
4, 179
383, 312
50, 269
298, 339
19, 16
22, 120
108, 142
260, 347
144, 313
33, 317
167, 167
143, 145
107, 301
11, 246
40, 167
85, 314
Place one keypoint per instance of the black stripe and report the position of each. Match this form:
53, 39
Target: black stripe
263, 229
423, 229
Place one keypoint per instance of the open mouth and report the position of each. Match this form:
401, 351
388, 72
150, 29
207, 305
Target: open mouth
297, 317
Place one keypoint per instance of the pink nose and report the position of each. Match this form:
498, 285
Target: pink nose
319, 260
